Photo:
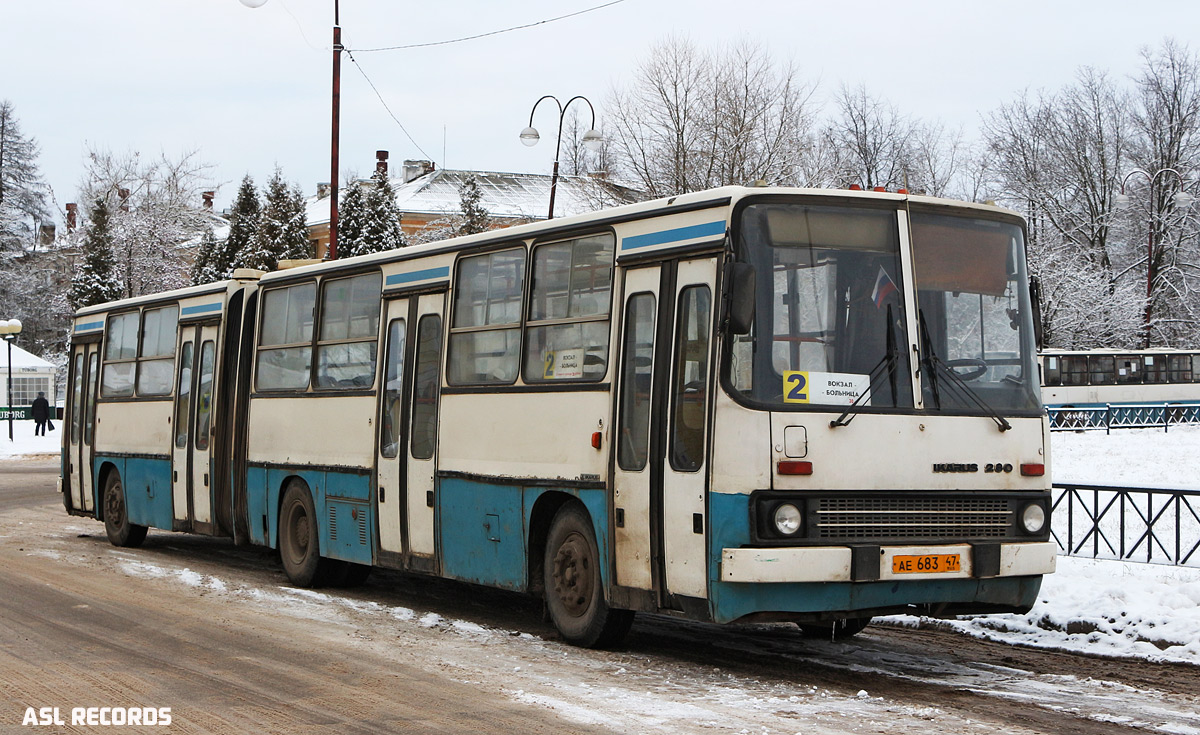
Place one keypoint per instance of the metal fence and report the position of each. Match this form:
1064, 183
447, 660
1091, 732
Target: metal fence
1124, 416
1158, 526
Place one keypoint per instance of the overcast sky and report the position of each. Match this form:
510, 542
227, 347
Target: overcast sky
250, 89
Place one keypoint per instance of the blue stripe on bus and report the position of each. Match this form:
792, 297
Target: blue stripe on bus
730, 518
201, 309
422, 275
89, 325
679, 234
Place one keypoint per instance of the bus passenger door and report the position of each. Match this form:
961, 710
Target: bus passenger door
661, 429
389, 463
204, 390
181, 425
423, 430
633, 473
82, 419
686, 354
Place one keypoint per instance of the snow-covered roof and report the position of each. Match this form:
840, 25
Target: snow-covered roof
505, 195
22, 359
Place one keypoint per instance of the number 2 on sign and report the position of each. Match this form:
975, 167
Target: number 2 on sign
795, 386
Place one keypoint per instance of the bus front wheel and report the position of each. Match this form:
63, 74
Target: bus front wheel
574, 592
116, 515
299, 540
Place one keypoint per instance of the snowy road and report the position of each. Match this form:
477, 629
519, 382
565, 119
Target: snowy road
214, 632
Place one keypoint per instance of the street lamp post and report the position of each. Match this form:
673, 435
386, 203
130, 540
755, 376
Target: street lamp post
1182, 200
335, 124
9, 329
591, 139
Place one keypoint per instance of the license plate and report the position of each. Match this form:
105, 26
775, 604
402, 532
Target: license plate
926, 564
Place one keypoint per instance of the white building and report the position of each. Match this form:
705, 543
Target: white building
30, 374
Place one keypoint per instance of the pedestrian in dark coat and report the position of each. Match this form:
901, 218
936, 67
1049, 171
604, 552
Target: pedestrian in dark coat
41, 414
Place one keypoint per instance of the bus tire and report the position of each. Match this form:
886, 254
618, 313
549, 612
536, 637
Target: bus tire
299, 539
116, 516
574, 593
837, 630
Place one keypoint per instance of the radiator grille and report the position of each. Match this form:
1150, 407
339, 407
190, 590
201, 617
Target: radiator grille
877, 518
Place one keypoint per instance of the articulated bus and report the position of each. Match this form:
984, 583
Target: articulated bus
1090, 378
738, 405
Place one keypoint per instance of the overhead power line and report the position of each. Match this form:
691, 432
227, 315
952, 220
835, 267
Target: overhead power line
490, 33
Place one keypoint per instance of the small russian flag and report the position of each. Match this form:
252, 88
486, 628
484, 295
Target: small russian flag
884, 287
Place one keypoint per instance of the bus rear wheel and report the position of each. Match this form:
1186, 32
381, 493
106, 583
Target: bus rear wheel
574, 593
299, 539
836, 630
116, 515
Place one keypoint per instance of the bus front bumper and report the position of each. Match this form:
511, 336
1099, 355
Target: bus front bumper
882, 563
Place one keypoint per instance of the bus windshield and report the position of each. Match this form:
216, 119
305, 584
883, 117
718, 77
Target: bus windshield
830, 314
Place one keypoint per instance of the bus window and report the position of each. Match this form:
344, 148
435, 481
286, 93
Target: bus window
157, 351
572, 283
120, 355
349, 332
485, 337
690, 380
183, 406
1052, 371
77, 399
1155, 369
1129, 369
637, 352
425, 387
204, 394
1102, 370
393, 389
285, 339
89, 401
1179, 368
1075, 370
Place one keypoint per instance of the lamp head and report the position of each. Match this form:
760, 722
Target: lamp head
530, 137
1121, 201
593, 140
1183, 200
254, 3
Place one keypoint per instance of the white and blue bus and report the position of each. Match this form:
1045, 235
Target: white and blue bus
1088, 378
737, 405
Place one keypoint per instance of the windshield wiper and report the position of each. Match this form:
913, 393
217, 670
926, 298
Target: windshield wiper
888, 361
954, 381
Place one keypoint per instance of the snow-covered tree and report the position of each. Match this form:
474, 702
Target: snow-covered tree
155, 207
96, 280
22, 192
282, 232
352, 213
380, 221
204, 267
240, 247
475, 217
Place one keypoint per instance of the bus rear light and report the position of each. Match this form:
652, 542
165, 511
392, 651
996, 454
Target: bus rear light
1033, 470
595, 440
792, 467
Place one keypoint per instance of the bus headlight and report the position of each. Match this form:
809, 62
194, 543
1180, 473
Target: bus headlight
1033, 518
787, 519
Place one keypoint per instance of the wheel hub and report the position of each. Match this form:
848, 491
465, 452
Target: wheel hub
574, 575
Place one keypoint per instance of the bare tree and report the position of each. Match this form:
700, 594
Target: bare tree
693, 120
871, 140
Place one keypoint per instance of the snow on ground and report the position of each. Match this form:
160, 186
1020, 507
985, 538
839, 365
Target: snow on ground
1098, 606
25, 443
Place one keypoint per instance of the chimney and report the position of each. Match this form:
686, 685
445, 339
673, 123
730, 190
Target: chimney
124, 194
208, 198
381, 163
416, 169
72, 216
324, 189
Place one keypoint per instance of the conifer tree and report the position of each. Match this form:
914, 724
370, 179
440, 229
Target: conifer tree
351, 218
205, 270
22, 191
282, 229
475, 218
95, 281
241, 245
381, 219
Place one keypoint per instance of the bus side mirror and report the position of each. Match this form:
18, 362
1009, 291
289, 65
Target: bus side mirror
741, 298
1035, 302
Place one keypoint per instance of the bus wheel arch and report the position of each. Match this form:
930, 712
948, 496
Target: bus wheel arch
572, 579
117, 526
299, 537
544, 510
